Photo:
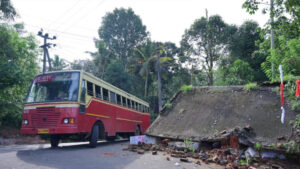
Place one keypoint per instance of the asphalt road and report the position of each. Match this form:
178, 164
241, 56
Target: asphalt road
80, 156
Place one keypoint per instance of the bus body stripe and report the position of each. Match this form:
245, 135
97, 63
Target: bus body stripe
129, 120
97, 115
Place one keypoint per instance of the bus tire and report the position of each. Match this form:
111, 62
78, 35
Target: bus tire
137, 131
94, 136
54, 140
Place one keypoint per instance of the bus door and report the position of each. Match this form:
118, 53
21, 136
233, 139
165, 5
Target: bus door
82, 108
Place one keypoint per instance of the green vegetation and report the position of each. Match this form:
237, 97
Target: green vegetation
296, 122
295, 104
188, 144
251, 86
186, 88
258, 146
292, 147
246, 162
168, 105
17, 68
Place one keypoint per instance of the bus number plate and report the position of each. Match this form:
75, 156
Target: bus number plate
43, 131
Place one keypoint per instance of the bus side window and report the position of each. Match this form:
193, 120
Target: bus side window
140, 107
90, 89
98, 91
105, 94
128, 103
133, 105
143, 108
83, 91
112, 97
119, 99
124, 101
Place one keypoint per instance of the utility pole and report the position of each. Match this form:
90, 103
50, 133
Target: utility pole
159, 80
272, 33
45, 47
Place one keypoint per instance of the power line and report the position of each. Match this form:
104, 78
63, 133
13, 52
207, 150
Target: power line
83, 16
77, 12
67, 33
53, 21
65, 13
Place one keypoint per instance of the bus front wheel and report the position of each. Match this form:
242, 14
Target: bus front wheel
54, 140
94, 136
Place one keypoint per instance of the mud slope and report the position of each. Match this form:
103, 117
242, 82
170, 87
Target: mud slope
205, 111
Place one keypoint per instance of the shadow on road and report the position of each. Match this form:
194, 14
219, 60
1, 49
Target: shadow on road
107, 155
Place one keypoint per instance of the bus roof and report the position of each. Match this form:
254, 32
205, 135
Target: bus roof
116, 89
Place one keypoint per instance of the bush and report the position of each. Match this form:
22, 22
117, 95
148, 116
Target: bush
295, 104
168, 105
250, 86
186, 88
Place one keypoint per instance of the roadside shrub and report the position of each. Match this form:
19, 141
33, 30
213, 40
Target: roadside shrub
168, 105
292, 146
186, 88
295, 105
250, 86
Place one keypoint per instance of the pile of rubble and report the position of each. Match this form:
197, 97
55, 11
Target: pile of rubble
213, 152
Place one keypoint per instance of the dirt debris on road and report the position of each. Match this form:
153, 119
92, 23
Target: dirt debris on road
226, 156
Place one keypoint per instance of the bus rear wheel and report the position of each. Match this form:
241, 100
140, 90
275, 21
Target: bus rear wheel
54, 140
94, 136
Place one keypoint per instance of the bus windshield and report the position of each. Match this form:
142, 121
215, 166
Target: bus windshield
54, 87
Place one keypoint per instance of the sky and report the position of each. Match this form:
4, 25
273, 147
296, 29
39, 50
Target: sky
75, 23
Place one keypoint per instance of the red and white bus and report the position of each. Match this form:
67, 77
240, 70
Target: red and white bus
68, 103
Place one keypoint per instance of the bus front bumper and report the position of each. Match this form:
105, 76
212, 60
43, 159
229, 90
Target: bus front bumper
57, 130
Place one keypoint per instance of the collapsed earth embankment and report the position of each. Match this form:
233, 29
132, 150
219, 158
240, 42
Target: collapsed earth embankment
204, 112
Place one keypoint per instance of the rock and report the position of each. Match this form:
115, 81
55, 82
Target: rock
168, 158
216, 144
125, 149
216, 159
141, 151
248, 127
184, 160
175, 155
198, 162
223, 132
234, 142
154, 152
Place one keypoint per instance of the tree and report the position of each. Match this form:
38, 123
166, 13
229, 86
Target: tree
141, 61
102, 58
18, 55
242, 46
286, 25
207, 38
86, 65
118, 77
58, 63
122, 31
7, 10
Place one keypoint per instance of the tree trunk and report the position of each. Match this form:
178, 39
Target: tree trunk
159, 82
210, 73
146, 84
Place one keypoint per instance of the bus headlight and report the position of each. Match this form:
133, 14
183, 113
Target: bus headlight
66, 121
25, 122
